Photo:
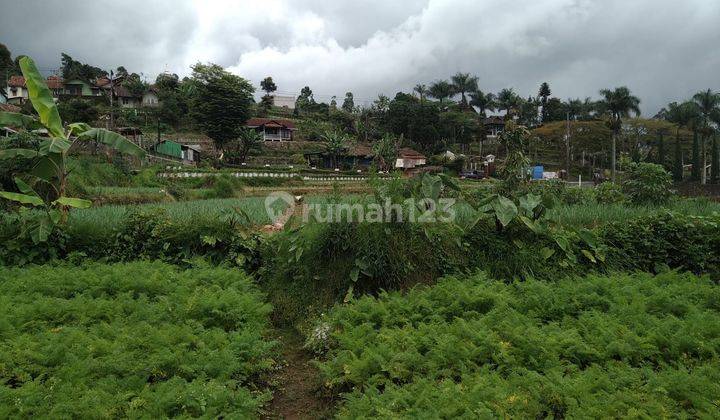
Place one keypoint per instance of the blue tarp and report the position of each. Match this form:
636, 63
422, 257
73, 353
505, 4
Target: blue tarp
537, 172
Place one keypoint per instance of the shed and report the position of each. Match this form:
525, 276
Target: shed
169, 148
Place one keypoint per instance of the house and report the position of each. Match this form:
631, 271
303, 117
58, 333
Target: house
16, 90
272, 129
409, 158
494, 126
150, 98
355, 157
185, 152
284, 101
80, 88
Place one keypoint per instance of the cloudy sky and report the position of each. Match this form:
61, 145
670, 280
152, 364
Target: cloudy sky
663, 50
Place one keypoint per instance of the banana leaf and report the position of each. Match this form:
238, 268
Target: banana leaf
14, 119
41, 98
13, 153
73, 202
22, 198
113, 140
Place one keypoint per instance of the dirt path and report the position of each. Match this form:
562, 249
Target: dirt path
296, 396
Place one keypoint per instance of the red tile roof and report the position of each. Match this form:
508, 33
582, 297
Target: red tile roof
55, 82
16, 81
270, 122
408, 153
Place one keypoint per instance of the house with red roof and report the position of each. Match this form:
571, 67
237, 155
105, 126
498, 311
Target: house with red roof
16, 90
272, 129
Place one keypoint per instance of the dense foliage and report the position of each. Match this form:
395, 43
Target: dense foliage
598, 346
647, 183
132, 340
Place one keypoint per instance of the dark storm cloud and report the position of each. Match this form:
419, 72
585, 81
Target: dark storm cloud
662, 49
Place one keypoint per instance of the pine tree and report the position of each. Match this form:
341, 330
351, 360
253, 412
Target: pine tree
695, 174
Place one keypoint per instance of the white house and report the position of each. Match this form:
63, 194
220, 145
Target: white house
16, 90
150, 98
284, 101
409, 158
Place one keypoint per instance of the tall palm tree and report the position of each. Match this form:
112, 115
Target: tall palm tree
463, 83
483, 101
421, 90
708, 105
681, 115
618, 104
508, 101
441, 90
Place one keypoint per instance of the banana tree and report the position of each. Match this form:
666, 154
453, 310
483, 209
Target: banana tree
43, 187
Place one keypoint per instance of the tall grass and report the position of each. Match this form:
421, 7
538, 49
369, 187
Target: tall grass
597, 214
107, 218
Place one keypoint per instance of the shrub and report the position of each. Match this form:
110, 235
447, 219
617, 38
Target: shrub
223, 187
647, 183
319, 264
132, 340
609, 193
625, 345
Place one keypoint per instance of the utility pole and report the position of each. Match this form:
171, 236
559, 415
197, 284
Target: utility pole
112, 95
567, 143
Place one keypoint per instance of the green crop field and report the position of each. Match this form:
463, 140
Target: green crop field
617, 346
131, 340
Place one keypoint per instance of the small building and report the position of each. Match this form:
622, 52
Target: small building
80, 89
494, 126
150, 98
16, 90
171, 149
409, 159
272, 129
284, 101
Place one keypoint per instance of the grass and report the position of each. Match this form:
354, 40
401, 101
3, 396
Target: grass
110, 217
137, 340
596, 214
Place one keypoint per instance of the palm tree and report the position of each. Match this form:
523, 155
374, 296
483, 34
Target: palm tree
483, 101
681, 115
441, 90
463, 83
708, 106
421, 90
508, 101
618, 104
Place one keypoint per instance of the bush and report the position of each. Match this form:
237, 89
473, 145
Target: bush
223, 187
132, 340
656, 242
599, 346
647, 183
609, 193
319, 264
